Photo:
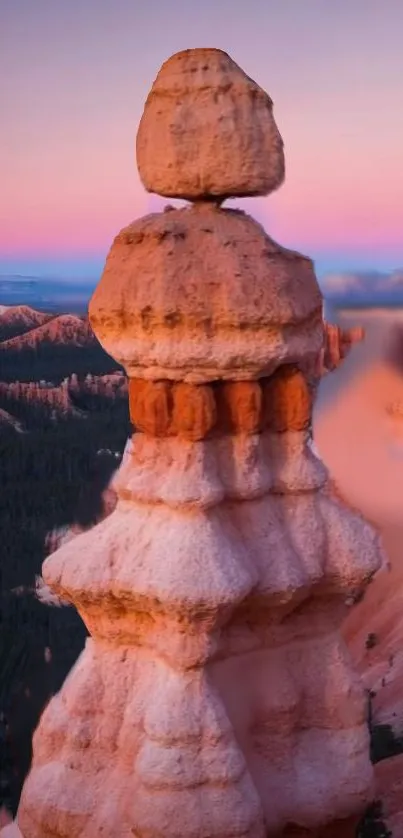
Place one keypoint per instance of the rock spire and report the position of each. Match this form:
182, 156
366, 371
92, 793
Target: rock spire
214, 697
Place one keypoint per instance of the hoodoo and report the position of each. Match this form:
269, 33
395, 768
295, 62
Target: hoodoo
214, 697
208, 131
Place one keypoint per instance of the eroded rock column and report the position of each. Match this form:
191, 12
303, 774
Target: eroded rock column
215, 697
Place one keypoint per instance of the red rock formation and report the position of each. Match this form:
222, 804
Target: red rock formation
207, 158
215, 697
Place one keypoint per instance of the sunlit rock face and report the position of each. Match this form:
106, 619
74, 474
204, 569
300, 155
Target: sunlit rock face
215, 697
208, 131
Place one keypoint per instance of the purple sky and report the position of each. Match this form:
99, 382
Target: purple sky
74, 77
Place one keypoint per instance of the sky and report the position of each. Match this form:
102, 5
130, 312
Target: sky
74, 75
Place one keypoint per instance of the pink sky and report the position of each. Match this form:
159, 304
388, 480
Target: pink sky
74, 76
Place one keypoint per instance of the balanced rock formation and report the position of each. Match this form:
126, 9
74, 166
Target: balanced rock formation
208, 131
215, 697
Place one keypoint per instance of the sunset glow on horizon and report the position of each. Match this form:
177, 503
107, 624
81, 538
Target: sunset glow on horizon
76, 78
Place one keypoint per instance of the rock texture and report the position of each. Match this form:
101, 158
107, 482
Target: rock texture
202, 294
379, 615
208, 131
215, 697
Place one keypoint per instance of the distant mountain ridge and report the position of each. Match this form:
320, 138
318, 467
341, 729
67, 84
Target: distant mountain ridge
52, 295
16, 320
370, 288
48, 345
61, 330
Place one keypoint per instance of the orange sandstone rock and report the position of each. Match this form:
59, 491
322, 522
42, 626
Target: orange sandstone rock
149, 403
215, 696
194, 411
208, 131
197, 295
287, 401
240, 406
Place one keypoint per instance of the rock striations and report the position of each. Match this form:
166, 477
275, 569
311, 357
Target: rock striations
214, 698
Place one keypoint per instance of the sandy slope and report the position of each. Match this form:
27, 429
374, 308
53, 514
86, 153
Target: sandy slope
362, 447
